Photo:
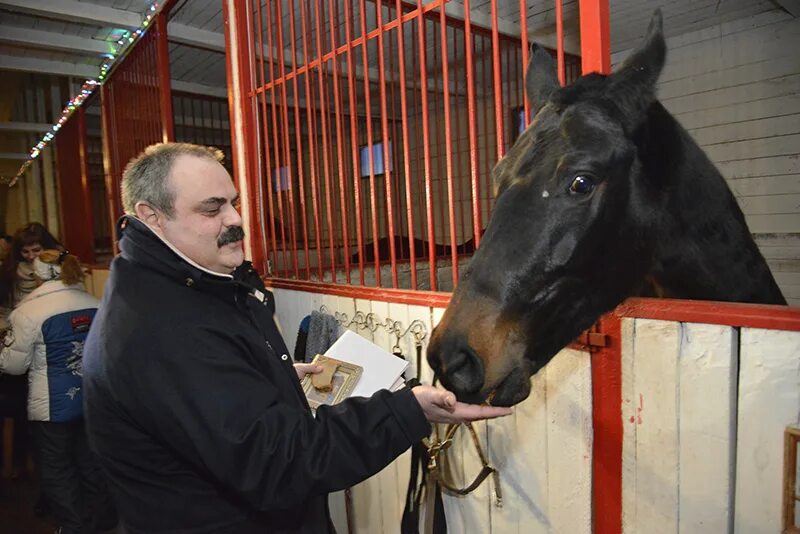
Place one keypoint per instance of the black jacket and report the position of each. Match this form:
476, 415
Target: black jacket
196, 413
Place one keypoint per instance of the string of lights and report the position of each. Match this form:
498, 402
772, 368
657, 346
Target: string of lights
123, 44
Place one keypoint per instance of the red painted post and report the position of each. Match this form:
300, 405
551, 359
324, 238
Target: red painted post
595, 36
243, 132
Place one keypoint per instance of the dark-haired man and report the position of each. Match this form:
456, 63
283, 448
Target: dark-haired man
192, 401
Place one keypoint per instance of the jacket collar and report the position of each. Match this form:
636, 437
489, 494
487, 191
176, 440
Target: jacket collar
140, 244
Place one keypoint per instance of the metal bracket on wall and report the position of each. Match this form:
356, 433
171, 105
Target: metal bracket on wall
370, 321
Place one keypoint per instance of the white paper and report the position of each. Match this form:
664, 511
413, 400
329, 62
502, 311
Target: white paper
380, 368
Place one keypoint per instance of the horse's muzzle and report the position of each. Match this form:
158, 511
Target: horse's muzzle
457, 365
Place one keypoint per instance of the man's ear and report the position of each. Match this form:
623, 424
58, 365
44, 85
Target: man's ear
148, 215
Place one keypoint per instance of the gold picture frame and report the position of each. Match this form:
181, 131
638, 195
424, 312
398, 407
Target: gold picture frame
344, 381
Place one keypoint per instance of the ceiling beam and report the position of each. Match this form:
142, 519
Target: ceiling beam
47, 66
35, 127
54, 41
13, 155
197, 37
792, 6
73, 11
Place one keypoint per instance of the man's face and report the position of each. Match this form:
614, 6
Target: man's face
206, 215
31, 252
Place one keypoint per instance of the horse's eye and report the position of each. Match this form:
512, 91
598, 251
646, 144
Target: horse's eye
581, 185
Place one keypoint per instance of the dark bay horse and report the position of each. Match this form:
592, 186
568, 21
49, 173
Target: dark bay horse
603, 197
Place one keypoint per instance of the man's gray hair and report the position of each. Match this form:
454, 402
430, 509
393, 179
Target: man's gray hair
145, 178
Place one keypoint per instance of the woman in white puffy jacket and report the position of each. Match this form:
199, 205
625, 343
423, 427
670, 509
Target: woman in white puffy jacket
48, 330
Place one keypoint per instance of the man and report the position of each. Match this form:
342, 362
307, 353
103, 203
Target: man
192, 402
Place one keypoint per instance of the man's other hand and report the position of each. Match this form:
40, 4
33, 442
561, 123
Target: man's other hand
303, 369
441, 406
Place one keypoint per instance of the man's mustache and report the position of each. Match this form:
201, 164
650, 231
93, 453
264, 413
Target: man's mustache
231, 235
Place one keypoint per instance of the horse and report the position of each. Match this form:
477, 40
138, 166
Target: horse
603, 197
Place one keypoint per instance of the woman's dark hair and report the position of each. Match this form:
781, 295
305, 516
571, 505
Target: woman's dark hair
31, 234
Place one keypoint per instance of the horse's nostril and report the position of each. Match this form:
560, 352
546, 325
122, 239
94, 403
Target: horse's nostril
463, 371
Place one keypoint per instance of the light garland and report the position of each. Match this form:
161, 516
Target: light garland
125, 41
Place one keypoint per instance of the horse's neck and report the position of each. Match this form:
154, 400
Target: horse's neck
706, 251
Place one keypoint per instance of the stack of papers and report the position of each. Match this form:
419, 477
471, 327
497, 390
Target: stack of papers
380, 369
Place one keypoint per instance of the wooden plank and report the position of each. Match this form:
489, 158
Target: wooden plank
763, 185
569, 441
770, 204
741, 94
656, 347
746, 130
708, 368
518, 450
785, 145
769, 397
784, 222
630, 407
780, 165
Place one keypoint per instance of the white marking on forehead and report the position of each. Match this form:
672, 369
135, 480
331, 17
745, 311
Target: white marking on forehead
545, 194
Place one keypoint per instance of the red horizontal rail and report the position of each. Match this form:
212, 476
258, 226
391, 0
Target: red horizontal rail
396, 296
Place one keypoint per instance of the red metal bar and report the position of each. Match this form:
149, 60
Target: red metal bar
417, 134
523, 34
387, 173
164, 86
706, 312
285, 130
423, 76
325, 153
406, 156
368, 105
498, 90
595, 36
440, 183
448, 142
487, 150
354, 140
299, 146
560, 40
311, 118
340, 165
460, 142
265, 139
607, 430
394, 296
237, 22
473, 136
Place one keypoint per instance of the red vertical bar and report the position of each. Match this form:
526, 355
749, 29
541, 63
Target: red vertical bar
473, 141
423, 76
238, 66
387, 174
340, 165
607, 429
406, 156
164, 86
398, 206
607, 363
368, 105
487, 149
351, 88
268, 167
460, 139
299, 144
276, 147
310, 117
560, 40
448, 146
86, 192
325, 153
595, 37
498, 90
285, 129
441, 183
420, 182
523, 32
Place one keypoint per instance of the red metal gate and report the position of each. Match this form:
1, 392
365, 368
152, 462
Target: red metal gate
136, 106
371, 130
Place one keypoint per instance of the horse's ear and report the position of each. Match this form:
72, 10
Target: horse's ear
542, 79
633, 84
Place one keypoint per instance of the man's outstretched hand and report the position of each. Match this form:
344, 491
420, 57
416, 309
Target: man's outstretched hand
441, 406
303, 369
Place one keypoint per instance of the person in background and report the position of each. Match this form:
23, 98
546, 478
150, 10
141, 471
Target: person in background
192, 401
46, 339
16, 276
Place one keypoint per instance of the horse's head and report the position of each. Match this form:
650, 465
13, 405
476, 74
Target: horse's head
564, 243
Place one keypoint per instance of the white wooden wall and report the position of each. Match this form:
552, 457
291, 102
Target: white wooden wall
704, 409
736, 88
543, 451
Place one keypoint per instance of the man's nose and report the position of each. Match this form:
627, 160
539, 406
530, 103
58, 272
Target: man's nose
233, 217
